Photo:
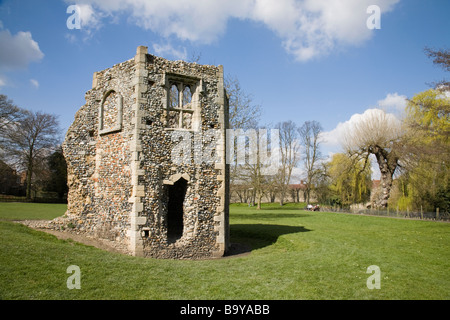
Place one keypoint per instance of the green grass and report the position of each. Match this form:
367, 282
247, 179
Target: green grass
30, 211
296, 255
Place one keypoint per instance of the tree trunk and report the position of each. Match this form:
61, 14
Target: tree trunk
386, 185
28, 181
259, 200
387, 162
29, 173
281, 197
308, 191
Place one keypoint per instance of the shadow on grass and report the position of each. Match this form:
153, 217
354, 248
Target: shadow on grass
248, 237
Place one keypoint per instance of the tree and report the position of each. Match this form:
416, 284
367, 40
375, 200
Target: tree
9, 181
425, 183
425, 179
30, 140
427, 122
380, 134
9, 114
350, 179
289, 148
309, 134
428, 159
441, 58
243, 113
322, 183
57, 166
428, 117
254, 173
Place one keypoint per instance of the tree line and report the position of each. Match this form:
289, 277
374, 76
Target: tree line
298, 145
31, 158
411, 153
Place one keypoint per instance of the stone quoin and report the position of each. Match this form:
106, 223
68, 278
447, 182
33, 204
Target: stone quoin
123, 184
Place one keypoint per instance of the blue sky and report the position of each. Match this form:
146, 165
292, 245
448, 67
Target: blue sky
300, 60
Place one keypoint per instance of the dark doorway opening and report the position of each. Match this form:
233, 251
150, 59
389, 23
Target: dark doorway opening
177, 192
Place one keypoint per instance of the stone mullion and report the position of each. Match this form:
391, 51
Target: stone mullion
180, 105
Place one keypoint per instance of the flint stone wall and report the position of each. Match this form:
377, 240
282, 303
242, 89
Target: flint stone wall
120, 162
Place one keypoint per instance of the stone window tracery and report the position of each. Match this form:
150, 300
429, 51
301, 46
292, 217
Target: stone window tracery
182, 104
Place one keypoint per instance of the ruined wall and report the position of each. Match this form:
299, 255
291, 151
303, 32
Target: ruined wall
120, 153
98, 157
203, 200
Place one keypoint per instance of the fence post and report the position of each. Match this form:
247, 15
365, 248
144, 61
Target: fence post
437, 213
397, 211
421, 212
407, 212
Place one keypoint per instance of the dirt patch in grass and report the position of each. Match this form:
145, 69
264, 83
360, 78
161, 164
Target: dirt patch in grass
81, 238
235, 250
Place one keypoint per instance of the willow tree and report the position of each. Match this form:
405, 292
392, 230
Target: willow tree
428, 162
350, 178
428, 129
380, 134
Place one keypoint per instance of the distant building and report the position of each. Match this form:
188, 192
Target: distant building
10, 183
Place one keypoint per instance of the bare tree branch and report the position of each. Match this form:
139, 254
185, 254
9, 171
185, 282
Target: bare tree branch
30, 140
309, 134
289, 148
243, 113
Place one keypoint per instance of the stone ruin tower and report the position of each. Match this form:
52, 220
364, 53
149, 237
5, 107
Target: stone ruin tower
124, 185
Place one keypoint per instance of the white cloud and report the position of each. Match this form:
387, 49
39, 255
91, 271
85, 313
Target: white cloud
168, 50
307, 28
3, 81
34, 83
201, 21
18, 50
332, 140
88, 21
91, 20
393, 103
72, 38
88, 17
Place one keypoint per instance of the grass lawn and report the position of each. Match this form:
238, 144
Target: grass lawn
30, 211
296, 255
